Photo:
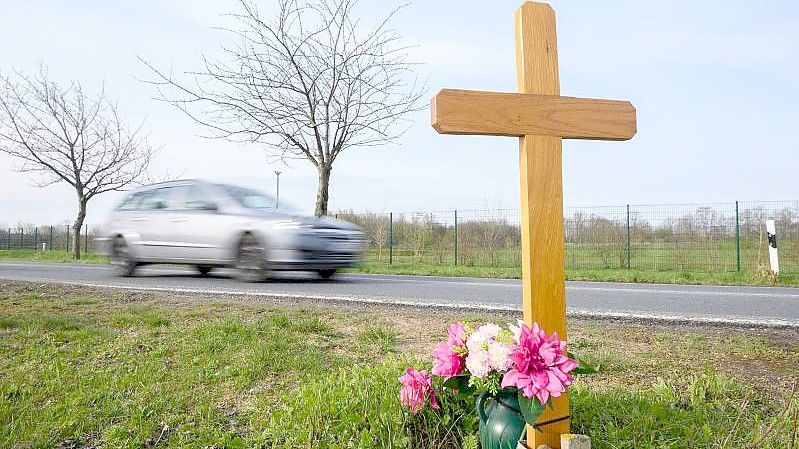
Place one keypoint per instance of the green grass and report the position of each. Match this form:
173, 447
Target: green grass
83, 368
574, 274
49, 256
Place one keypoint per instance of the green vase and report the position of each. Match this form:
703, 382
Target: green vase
501, 422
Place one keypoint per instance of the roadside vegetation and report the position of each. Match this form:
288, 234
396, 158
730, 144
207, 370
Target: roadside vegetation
430, 269
49, 256
92, 368
601, 275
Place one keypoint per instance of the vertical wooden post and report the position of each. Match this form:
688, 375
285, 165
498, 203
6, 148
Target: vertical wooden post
541, 181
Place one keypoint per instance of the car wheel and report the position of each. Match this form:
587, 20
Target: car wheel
121, 261
204, 270
251, 263
327, 274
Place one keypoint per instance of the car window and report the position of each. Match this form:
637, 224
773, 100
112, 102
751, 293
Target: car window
163, 198
131, 202
251, 199
196, 198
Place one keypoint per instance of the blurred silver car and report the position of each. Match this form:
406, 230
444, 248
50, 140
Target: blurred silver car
210, 225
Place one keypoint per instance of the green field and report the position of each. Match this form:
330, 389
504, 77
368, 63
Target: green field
87, 368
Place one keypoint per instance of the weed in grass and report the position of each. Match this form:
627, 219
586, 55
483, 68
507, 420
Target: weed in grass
381, 338
7, 323
315, 325
50, 323
138, 316
280, 320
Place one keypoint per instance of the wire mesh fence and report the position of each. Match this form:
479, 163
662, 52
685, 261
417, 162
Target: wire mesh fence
662, 237
681, 237
44, 238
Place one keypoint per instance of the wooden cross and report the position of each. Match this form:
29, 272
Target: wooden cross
541, 118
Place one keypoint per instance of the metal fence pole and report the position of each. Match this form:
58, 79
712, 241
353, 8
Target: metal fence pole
35, 237
67, 239
21, 238
390, 238
50, 245
737, 238
629, 243
86, 239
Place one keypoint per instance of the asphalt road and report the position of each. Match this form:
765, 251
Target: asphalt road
761, 306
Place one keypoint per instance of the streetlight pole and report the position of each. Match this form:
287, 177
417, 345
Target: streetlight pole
277, 190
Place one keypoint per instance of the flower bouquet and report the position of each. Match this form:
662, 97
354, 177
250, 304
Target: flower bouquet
514, 371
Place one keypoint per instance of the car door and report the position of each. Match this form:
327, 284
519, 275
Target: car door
152, 223
199, 226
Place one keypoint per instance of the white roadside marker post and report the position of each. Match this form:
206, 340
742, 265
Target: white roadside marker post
773, 258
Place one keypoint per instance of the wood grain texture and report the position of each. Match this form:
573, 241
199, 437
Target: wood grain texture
512, 114
541, 118
541, 183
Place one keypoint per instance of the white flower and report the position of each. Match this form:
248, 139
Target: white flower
486, 354
499, 356
477, 363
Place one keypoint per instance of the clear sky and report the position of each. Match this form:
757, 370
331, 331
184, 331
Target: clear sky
715, 84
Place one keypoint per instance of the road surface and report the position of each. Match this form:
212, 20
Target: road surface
760, 306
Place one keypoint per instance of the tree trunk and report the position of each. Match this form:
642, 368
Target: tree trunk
322, 192
76, 227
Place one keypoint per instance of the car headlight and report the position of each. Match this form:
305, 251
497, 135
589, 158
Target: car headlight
286, 225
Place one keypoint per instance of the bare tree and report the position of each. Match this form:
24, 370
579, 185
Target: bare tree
64, 135
306, 84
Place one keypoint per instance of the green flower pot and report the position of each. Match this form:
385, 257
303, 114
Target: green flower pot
501, 422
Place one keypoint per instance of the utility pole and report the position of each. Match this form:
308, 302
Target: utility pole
277, 190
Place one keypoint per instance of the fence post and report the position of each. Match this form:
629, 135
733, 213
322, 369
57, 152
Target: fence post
67, 239
629, 245
737, 238
50, 245
456, 237
35, 237
86, 239
8, 240
390, 238
21, 238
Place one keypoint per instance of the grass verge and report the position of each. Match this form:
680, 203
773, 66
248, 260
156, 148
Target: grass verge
56, 256
573, 274
92, 368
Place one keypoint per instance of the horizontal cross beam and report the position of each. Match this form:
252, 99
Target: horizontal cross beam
512, 114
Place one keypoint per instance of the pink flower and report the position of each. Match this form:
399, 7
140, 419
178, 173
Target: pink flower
457, 335
450, 356
417, 388
540, 367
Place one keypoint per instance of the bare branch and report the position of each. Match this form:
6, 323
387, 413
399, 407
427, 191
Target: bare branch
308, 83
64, 135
